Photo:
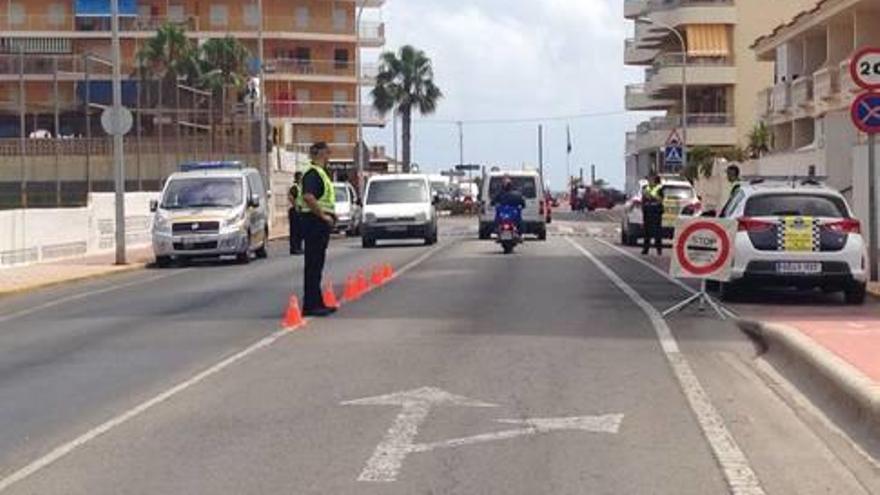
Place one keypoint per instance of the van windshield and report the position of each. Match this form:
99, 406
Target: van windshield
525, 186
203, 193
341, 194
397, 191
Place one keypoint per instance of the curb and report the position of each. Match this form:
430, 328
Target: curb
80, 278
860, 391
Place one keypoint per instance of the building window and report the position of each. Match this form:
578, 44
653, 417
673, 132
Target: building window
251, 15
175, 13
302, 17
57, 13
341, 136
303, 95
340, 19
16, 14
219, 15
340, 57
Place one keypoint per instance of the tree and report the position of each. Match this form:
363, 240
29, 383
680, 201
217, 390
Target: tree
223, 62
759, 141
700, 161
170, 55
406, 82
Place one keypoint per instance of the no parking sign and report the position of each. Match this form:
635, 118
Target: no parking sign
703, 248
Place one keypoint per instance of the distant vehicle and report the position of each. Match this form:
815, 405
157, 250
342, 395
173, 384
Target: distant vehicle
679, 200
597, 198
528, 183
399, 207
801, 235
348, 209
211, 209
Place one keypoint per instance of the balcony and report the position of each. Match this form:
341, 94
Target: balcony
780, 98
763, 105
42, 68
634, 55
340, 151
318, 70
682, 12
323, 113
703, 130
847, 85
638, 99
826, 83
634, 8
802, 92
702, 71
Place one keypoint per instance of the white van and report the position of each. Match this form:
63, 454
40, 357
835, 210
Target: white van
528, 183
211, 209
398, 207
348, 210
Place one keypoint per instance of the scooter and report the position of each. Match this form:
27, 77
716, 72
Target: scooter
507, 220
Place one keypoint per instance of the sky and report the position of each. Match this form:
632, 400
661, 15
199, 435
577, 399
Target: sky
543, 60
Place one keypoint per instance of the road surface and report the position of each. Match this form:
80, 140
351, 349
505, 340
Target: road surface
545, 371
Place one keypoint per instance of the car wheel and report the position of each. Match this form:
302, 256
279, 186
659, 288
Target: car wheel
542, 235
263, 251
624, 236
729, 291
485, 233
244, 257
368, 242
856, 294
163, 261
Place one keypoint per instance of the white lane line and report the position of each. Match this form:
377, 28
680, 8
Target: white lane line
687, 288
83, 295
67, 448
741, 479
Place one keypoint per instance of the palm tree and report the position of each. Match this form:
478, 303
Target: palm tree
406, 83
170, 55
759, 141
223, 62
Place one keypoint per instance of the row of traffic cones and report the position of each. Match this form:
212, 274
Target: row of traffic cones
355, 286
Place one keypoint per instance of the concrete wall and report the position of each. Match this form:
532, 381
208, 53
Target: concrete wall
34, 235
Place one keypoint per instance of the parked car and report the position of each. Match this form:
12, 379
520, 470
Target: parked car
211, 209
796, 235
348, 209
679, 200
399, 207
534, 216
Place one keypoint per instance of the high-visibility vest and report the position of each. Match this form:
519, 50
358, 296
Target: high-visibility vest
327, 201
653, 192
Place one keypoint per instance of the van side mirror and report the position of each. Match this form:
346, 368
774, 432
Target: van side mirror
254, 201
154, 205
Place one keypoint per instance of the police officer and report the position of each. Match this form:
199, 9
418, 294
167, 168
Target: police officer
652, 214
296, 238
316, 205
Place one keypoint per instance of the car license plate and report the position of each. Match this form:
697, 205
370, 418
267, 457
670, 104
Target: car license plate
506, 235
798, 268
397, 228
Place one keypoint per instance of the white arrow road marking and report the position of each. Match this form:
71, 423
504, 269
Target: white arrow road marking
387, 459
596, 424
396, 445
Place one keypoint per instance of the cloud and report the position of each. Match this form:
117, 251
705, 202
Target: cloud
518, 59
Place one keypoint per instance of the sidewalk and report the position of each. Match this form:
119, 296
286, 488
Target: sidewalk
25, 278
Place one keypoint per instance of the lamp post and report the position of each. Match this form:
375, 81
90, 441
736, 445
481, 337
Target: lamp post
358, 152
118, 159
264, 162
684, 65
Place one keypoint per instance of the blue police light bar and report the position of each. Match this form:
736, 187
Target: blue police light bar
219, 165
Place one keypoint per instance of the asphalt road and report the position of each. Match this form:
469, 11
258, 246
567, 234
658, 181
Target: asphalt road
539, 372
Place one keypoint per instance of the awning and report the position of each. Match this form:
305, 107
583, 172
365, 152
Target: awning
101, 8
707, 40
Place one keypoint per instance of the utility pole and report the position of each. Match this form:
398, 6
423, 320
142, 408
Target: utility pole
264, 159
541, 152
118, 158
592, 175
461, 147
358, 154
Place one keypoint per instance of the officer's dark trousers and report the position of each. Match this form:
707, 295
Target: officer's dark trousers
317, 237
653, 224
296, 237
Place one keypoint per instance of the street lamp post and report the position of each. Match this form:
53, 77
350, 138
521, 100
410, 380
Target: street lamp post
358, 152
264, 162
118, 159
684, 65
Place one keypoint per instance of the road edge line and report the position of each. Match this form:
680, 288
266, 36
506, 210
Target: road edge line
738, 473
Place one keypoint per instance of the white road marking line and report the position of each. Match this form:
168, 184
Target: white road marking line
83, 295
67, 448
741, 479
687, 288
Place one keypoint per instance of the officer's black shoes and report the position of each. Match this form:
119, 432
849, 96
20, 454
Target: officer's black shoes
296, 252
319, 312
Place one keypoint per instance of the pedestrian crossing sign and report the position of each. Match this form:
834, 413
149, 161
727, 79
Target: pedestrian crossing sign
673, 154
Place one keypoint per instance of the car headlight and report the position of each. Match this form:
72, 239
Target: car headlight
369, 218
421, 217
161, 223
234, 222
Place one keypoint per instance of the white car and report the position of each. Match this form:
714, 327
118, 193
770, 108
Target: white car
534, 216
398, 207
348, 209
796, 235
679, 200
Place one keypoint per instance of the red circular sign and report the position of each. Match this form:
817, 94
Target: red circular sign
866, 63
712, 267
865, 112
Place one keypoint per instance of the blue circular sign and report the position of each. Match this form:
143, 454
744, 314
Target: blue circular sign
865, 112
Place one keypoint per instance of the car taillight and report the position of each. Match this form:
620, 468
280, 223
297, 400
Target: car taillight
845, 226
752, 225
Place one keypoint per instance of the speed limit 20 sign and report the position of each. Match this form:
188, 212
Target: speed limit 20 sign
703, 248
865, 68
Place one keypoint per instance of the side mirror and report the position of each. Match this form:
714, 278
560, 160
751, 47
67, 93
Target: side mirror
254, 201
154, 205
710, 214
435, 199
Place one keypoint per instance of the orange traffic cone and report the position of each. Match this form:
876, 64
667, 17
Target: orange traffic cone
330, 296
293, 317
350, 293
362, 285
388, 271
377, 276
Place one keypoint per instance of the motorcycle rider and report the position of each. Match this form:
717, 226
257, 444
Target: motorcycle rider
509, 196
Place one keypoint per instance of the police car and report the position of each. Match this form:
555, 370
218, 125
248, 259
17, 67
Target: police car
679, 199
800, 235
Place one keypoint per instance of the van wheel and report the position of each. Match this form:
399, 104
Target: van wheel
244, 257
624, 237
163, 261
542, 235
263, 252
855, 294
368, 242
729, 291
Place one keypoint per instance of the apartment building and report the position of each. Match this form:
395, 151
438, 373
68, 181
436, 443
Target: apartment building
310, 46
806, 105
722, 74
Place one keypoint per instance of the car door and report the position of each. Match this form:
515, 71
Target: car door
257, 216
355, 207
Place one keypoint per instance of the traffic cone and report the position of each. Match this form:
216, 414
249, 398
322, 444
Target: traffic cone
330, 297
377, 276
293, 317
388, 271
351, 290
362, 285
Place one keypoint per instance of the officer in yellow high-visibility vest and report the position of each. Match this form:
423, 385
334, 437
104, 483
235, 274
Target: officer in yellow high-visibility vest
316, 205
652, 214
